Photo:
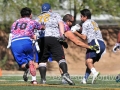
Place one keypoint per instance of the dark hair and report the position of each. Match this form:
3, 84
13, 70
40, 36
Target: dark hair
67, 17
86, 12
25, 12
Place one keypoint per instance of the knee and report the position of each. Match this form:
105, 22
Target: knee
42, 65
62, 61
89, 61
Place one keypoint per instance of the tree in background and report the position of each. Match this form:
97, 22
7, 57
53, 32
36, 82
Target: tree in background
97, 7
10, 10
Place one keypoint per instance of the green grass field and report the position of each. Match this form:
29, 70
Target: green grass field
105, 82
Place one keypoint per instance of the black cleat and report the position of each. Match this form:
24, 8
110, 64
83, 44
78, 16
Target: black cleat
25, 76
43, 81
67, 78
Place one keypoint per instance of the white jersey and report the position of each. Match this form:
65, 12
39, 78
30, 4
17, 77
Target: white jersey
51, 21
91, 30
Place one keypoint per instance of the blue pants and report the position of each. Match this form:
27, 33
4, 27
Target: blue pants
91, 54
23, 51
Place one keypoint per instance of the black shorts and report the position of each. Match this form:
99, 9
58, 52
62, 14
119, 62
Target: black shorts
50, 45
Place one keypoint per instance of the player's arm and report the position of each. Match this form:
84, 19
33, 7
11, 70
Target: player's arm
72, 37
61, 27
39, 25
80, 35
75, 30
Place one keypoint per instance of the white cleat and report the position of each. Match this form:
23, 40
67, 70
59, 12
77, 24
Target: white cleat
84, 81
95, 77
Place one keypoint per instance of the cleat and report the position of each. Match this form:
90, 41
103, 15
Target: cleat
26, 74
34, 82
43, 81
84, 81
63, 80
32, 68
95, 77
67, 78
118, 78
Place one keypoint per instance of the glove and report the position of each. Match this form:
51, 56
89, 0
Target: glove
95, 47
61, 40
64, 44
75, 28
116, 47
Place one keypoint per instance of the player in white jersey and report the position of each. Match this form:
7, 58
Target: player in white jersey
92, 33
54, 32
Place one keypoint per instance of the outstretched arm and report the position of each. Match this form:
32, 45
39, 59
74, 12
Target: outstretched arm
72, 37
61, 27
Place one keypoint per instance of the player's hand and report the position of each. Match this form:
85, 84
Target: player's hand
75, 28
62, 41
116, 47
95, 47
61, 38
64, 44
42, 26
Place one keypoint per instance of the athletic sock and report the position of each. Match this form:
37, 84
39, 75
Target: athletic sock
42, 71
93, 70
33, 78
87, 73
63, 66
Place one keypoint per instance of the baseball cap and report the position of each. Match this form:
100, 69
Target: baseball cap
46, 7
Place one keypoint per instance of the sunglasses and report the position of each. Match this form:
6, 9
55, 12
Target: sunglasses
71, 21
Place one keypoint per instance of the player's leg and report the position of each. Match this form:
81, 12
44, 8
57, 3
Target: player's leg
24, 56
90, 59
26, 72
98, 56
43, 58
87, 73
42, 70
62, 78
65, 74
32, 67
19, 56
93, 57
36, 59
58, 55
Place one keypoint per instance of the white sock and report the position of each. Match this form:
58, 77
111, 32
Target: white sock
84, 79
93, 70
33, 78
